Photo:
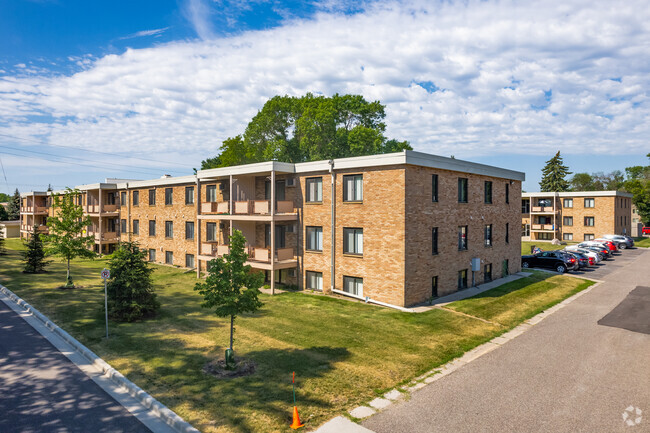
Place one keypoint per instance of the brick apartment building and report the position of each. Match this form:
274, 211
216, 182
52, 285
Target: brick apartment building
575, 216
395, 228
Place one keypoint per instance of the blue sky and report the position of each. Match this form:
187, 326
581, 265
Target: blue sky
146, 88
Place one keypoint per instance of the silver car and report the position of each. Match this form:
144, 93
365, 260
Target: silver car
621, 241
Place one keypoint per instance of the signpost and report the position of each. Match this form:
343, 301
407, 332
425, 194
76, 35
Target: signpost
106, 274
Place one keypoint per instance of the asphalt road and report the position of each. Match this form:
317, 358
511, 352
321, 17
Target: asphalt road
42, 391
568, 373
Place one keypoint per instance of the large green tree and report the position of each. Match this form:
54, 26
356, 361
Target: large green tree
309, 128
14, 207
130, 290
598, 181
638, 183
554, 175
66, 228
4, 216
4, 197
231, 288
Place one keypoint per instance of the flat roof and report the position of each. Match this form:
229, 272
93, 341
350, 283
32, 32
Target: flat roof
577, 194
30, 193
172, 180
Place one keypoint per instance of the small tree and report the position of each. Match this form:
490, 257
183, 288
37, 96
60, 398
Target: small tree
3, 248
14, 207
554, 175
130, 290
35, 254
231, 288
66, 238
4, 216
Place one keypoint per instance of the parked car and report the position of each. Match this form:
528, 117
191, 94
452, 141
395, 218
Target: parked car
595, 256
559, 261
595, 246
609, 244
622, 242
583, 261
645, 230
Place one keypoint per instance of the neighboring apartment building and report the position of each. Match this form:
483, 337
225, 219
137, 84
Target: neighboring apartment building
34, 210
396, 228
575, 216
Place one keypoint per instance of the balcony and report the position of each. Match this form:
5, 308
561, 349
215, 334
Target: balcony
105, 236
263, 255
40, 210
213, 249
221, 207
26, 209
109, 208
40, 229
250, 210
542, 227
542, 209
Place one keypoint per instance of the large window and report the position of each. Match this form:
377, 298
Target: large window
589, 221
314, 187
211, 232
152, 197
315, 280
589, 237
567, 202
353, 241
314, 238
136, 227
488, 235
189, 195
434, 188
169, 229
136, 198
590, 202
488, 192
189, 260
525, 206
169, 257
353, 285
152, 255
434, 241
567, 221
152, 228
462, 190
462, 279
189, 229
353, 187
211, 193
462, 238
567, 236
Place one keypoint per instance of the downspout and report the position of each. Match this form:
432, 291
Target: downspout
333, 227
197, 233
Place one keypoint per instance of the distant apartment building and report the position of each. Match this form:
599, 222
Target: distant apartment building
637, 223
34, 208
575, 216
396, 228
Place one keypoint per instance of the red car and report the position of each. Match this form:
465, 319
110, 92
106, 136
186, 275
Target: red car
609, 244
645, 231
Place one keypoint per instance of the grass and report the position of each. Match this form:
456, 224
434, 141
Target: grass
642, 242
344, 353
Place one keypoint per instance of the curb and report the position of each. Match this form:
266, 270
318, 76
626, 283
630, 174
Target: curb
158, 409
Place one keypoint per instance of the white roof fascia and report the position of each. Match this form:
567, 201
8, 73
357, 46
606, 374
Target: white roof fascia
101, 185
586, 194
259, 167
158, 182
452, 164
31, 193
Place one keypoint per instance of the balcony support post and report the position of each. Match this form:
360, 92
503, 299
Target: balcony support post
101, 229
197, 262
272, 204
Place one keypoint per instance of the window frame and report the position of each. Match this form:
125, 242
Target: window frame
355, 232
135, 227
316, 275
152, 223
169, 196
488, 235
207, 231
591, 219
434, 286
308, 235
567, 218
462, 279
434, 188
434, 241
567, 236
136, 198
463, 245
355, 199
487, 192
190, 196
152, 255
209, 188
507, 233
189, 224
187, 256
169, 254
590, 203
589, 237
169, 229
123, 227
152, 197
507, 192
568, 201
463, 190
317, 181
356, 281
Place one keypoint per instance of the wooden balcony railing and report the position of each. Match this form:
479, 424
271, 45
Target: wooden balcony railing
109, 208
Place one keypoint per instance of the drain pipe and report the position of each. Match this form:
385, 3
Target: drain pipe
333, 227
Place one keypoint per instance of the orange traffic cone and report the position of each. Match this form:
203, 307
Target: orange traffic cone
296, 420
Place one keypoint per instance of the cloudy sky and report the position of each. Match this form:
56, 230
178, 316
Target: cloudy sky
152, 87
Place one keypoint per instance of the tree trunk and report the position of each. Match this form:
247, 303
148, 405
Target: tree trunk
232, 322
67, 277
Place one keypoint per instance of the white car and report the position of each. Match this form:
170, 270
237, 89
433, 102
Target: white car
597, 257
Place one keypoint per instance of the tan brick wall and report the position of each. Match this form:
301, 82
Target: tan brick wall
447, 214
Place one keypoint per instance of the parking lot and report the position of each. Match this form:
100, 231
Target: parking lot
614, 263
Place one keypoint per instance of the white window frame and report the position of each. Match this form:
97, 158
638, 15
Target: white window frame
353, 286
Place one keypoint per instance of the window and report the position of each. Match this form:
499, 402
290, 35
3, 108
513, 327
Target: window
507, 233
589, 221
434, 188
487, 272
568, 202
169, 257
152, 228
122, 198
314, 188
462, 279
462, 238
488, 192
567, 236
589, 237
567, 221
353, 187
590, 202
544, 236
505, 268
123, 226
152, 197
211, 232
152, 255
434, 287
462, 190
353, 241
353, 285
136, 227
211, 193
189, 229
525, 206
434, 241
315, 281
314, 237
488, 235
189, 260
169, 229
189, 195
507, 193
169, 196
136, 198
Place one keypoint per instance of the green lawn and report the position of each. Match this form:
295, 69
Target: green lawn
344, 353
642, 242
546, 246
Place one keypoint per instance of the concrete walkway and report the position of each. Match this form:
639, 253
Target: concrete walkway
566, 373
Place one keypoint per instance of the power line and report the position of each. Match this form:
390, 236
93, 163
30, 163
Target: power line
93, 151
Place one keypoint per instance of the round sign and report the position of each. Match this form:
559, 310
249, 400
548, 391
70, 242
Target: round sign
106, 274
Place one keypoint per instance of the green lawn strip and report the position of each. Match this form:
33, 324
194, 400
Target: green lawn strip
545, 246
344, 353
642, 242
519, 300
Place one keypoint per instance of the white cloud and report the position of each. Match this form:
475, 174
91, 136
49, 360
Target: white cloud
491, 63
142, 33
198, 13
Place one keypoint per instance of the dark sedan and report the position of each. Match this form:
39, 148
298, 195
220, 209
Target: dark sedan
557, 260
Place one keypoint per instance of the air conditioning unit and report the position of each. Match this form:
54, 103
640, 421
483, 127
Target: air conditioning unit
291, 181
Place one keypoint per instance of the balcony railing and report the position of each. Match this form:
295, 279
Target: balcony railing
542, 209
264, 254
542, 227
28, 228
215, 250
41, 209
105, 236
109, 208
221, 207
249, 207
92, 208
